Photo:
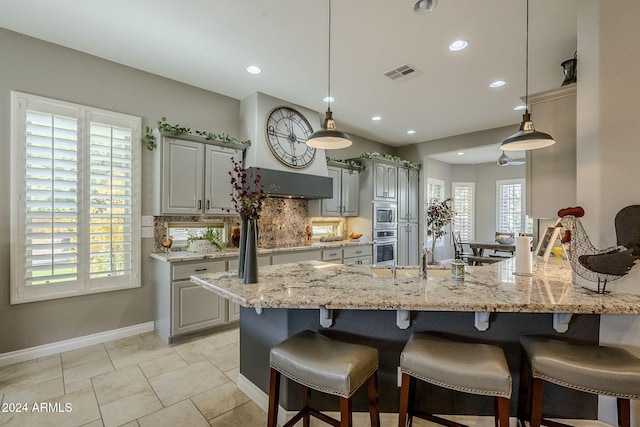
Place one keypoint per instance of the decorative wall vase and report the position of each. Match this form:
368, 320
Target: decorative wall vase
251, 253
569, 68
243, 245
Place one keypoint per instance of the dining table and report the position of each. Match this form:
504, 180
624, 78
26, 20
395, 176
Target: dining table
478, 248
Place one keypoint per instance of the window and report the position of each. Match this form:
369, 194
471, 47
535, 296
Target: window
75, 215
464, 199
510, 212
325, 229
181, 232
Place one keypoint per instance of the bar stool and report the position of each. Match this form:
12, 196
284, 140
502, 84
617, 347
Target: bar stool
468, 367
323, 364
610, 371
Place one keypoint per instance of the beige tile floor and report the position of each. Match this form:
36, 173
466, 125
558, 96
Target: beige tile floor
142, 382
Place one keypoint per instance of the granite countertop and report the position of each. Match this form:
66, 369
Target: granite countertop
176, 256
490, 288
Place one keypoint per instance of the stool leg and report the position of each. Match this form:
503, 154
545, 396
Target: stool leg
536, 402
374, 402
345, 412
524, 395
501, 411
306, 398
274, 398
624, 413
406, 397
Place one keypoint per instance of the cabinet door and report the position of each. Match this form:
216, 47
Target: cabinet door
217, 188
380, 181
403, 194
402, 255
234, 311
196, 308
350, 192
413, 195
412, 245
332, 206
392, 182
182, 177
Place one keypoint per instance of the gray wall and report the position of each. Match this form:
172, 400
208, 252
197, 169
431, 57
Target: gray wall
41, 68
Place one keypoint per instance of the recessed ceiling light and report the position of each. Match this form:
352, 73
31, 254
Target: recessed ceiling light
458, 45
376, 118
498, 83
328, 99
460, 153
411, 132
253, 69
520, 107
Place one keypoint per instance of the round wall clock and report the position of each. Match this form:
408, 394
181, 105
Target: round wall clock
287, 133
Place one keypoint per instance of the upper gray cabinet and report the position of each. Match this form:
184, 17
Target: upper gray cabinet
408, 194
346, 189
385, 181
194, 175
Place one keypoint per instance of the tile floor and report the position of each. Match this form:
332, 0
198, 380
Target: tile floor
140, 381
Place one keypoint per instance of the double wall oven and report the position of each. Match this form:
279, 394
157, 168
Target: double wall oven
385, 237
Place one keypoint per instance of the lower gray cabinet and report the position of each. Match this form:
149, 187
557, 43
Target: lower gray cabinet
357, 255
181, 306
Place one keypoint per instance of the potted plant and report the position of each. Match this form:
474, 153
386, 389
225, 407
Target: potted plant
439, 215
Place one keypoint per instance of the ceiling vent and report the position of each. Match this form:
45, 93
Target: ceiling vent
403, 73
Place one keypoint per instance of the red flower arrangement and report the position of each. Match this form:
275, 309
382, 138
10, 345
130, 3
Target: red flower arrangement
248, 192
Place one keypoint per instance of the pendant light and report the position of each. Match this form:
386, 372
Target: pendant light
424, 6
328, 137
527, 138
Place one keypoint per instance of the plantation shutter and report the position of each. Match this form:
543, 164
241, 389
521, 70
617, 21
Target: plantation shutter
110, 232
51, 198
463, 205
510, 207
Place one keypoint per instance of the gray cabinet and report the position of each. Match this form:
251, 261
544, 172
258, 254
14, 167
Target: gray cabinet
194, 175
357, 254
181, 306
408, 194
385, 181
283, 258
345, 200
408, 245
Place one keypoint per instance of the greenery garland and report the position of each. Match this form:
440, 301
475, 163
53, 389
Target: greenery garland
351, 163
406, 163
150, 140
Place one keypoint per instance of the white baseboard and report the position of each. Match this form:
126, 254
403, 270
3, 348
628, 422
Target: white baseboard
73, 344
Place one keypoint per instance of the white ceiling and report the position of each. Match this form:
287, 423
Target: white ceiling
209, 44
475, 155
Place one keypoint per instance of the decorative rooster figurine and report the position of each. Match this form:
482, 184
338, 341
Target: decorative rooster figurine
167, 243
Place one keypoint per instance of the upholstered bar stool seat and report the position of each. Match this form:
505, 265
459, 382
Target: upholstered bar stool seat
467, 367
326, 365
596, 369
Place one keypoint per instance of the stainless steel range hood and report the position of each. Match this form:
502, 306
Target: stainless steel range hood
290, 184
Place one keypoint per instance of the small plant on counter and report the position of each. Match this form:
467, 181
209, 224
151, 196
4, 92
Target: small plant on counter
150, 140
212, 235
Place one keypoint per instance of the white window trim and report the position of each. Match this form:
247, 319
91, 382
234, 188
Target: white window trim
473, 204
20, 292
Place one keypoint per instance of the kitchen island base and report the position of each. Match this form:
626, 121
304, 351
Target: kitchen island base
260, 332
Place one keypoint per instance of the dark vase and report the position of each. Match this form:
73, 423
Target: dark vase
243, 245
251, 253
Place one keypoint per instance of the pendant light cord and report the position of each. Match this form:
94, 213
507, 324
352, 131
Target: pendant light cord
329, 62
526, 72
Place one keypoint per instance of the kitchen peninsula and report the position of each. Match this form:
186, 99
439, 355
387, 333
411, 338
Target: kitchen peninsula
364, 304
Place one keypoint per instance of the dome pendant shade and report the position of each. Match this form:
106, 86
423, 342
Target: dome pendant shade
527, 138
329, 138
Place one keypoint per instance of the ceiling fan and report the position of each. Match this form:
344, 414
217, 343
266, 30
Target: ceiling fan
505, 160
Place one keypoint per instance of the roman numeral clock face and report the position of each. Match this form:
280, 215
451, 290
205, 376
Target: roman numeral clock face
287, 134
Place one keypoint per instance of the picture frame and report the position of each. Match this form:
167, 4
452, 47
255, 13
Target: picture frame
547, 241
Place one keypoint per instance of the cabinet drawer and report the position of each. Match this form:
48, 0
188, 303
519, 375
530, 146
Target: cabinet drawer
354, 251
184, 271
262, 261
296, 257
332, 255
